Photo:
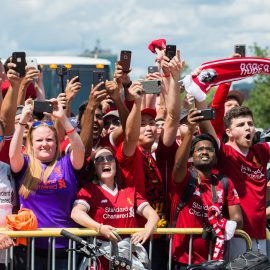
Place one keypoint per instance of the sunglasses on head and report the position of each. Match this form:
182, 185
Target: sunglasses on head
115, 122
38, 123
1, 138
108, 158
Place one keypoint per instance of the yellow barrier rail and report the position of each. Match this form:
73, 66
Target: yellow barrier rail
55, 232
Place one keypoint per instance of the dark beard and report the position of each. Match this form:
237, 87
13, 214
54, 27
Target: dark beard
204, 167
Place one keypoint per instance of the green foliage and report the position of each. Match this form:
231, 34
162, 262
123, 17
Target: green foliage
259, 96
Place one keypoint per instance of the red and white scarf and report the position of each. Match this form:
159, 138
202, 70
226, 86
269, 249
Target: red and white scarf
224, 70
223, 228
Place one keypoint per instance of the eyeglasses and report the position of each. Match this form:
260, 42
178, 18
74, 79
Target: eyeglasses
1, 138
115, 122
38, 123
108, 158
207, 149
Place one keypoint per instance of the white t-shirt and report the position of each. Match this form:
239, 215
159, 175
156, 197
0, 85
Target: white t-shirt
7, 197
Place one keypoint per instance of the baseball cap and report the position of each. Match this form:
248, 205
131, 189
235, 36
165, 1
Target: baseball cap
149, 111
111, 113
236, 95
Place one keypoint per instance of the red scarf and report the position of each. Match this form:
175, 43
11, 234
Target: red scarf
219, 224
222, 71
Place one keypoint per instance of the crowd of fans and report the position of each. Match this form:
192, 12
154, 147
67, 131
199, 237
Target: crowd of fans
127, 159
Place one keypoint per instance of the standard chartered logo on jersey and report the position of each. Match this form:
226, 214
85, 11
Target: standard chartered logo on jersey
118, 212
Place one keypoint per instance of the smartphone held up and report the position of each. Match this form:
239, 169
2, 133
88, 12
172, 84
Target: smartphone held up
240, 49
125, 60
19, 58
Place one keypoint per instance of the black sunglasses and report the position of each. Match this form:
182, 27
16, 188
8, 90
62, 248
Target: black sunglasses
115, 122
108, 158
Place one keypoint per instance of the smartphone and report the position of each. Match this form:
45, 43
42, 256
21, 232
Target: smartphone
152, 69
42, 106
99, 76
208, 114
241, 49
18, 58
151, 86
125, 60
32, 62
170, 51
73, 73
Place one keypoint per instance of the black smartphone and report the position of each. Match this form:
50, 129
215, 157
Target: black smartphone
151, 86
152, 69
74, 73
42, 106
125, 60
241, 49
99, 76
170, 51
208, 114
19, 58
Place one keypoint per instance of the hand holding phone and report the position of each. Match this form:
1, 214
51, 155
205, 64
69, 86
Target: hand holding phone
240, 49
170, 51
32, 62
208, 114
152, 69
98, 77
42, 106
151, 86
18, 58
125, 60
72, 73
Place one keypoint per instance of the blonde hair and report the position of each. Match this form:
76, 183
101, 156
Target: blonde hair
34, 173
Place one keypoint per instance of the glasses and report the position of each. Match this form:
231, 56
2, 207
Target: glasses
104, 159
38, 123
114, 122
207, 149
1, 138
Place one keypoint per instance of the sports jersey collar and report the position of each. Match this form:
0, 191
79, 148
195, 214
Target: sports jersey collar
112, 192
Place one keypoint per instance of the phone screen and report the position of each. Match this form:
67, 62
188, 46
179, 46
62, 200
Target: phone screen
125, 60
98, 76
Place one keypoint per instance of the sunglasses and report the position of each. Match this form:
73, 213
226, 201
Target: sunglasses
115, 122
108, 158
38, 123
1, 138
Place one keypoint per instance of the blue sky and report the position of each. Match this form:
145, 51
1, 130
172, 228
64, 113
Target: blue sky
203, 30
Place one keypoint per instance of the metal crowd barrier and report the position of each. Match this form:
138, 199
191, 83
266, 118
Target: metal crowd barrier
52, 233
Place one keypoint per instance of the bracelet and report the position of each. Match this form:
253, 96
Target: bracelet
70, 131
22, 124
166, 75
99, 227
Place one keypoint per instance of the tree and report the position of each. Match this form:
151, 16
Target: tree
259, 96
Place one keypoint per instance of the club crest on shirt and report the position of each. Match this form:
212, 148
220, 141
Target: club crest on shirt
57, 171
220, 195
129, 201
256, 162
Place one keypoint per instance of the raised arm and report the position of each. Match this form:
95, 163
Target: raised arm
173, 101
133, 125
15, 149
9, 105
87, 121
76, 144
30, 75
183, 151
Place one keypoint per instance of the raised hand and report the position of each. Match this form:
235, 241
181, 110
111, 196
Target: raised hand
176, 66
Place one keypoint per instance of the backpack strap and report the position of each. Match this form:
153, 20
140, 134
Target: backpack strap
186, 195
